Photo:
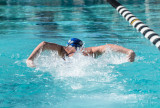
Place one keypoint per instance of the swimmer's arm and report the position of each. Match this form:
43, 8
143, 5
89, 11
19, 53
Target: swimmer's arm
41, 47
95, 51
101, 49
130, 53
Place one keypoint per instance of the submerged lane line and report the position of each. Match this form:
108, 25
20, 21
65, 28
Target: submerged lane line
136, 23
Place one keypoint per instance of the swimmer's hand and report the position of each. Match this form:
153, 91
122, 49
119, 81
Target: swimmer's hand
131, 56
30, 63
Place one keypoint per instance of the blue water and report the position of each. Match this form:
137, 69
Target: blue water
79, 82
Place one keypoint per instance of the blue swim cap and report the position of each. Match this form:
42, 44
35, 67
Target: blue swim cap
74, 42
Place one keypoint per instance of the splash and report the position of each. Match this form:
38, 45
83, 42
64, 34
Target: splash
78, 64
82, 77
81, 72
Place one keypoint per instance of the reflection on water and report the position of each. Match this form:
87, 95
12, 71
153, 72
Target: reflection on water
70, 2
79, 16
52, 2
47, 24
46, 20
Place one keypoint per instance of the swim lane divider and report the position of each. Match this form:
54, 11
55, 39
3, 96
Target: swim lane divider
136, 23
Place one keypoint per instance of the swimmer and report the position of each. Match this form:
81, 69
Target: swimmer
76, 44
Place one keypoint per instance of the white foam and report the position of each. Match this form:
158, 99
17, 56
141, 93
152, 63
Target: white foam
85, 73
80, 69
78, 64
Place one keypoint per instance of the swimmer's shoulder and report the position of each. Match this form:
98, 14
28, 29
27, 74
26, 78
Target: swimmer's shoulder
94, 49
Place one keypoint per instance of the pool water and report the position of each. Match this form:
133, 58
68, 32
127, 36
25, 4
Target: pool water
78, 82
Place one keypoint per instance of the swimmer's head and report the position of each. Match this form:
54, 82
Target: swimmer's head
74, 42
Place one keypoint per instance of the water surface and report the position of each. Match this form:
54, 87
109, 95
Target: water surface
108, 81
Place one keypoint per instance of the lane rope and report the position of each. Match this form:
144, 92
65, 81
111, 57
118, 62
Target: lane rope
136, 23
